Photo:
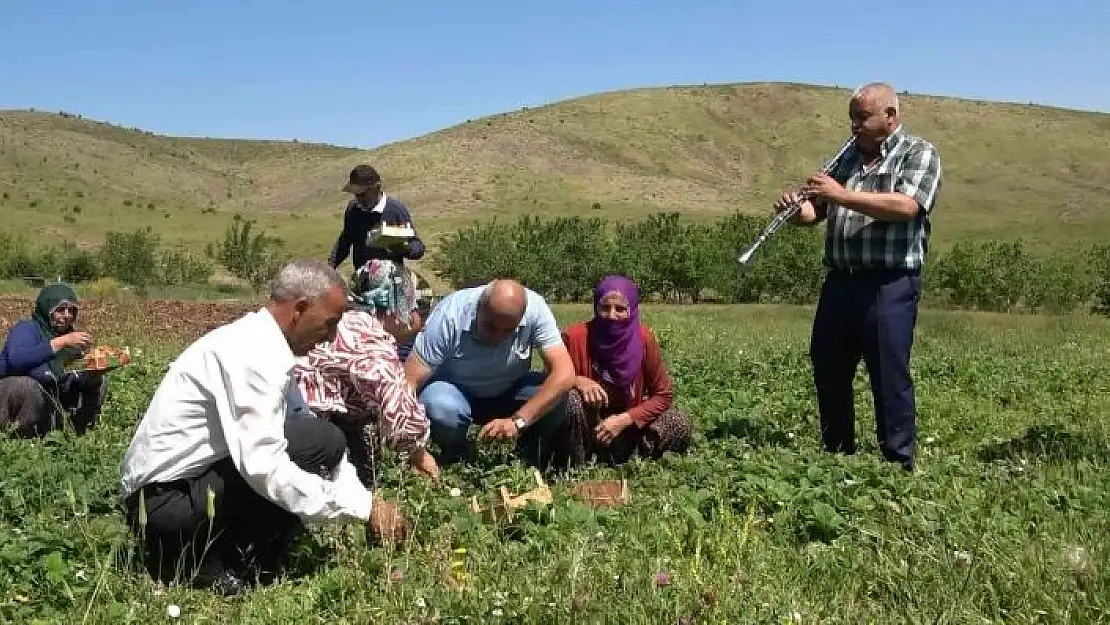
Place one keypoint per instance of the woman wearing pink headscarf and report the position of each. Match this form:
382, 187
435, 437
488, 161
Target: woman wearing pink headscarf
622, 403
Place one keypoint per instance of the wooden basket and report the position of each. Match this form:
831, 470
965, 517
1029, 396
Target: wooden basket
502, 509
104, 359
603, 493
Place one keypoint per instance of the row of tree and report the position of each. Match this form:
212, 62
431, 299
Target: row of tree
680, 261
140, 259
673, 260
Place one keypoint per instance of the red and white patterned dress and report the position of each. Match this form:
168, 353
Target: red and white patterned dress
358, 382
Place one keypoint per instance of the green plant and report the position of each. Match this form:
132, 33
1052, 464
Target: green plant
1005, 521
252, 258
680, 261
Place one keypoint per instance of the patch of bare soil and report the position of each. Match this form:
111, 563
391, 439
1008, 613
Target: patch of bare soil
164, 321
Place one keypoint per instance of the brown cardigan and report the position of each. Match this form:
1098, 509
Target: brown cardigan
653, 391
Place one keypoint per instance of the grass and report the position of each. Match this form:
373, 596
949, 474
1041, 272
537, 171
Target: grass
1011, 170
1006, 521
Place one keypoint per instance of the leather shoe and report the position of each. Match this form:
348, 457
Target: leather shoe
223, 582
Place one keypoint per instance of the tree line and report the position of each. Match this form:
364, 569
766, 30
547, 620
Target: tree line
140, 259
680, 261
672, 259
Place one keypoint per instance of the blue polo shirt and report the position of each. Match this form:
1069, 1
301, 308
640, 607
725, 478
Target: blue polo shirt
449, 344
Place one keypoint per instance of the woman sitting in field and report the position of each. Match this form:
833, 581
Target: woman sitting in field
622, 403
35, 388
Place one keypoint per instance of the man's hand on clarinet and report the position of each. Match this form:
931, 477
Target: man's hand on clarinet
825, 187
786, 199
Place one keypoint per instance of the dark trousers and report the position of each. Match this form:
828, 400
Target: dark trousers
245, 529
868, 314
31, 408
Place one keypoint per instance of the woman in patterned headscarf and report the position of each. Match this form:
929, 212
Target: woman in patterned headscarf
622, 403
357, 381
385, 289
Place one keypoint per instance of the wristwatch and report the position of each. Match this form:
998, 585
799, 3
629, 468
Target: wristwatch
519, 422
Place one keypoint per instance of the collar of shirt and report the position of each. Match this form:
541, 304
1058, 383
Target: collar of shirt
280, 360
377, 208
883, 164
889, 144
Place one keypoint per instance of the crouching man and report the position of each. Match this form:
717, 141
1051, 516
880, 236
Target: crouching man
227, 462
471, 364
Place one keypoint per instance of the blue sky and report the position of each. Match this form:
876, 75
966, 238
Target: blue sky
366, 73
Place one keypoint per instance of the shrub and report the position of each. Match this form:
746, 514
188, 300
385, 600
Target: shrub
131, 257
80, 265
103, 288
1099, 260
255, 259
678, 261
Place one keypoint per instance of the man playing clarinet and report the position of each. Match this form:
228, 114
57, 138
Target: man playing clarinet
877, 202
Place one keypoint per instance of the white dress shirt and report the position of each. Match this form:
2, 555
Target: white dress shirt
229, 394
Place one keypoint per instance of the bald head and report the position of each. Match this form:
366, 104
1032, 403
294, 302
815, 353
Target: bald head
879, 93
875, 113
500, 310
505, 298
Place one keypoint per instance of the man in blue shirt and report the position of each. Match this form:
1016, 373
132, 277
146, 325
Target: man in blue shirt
472, 364
369, 208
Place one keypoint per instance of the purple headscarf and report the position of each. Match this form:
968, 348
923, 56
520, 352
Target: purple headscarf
616, 347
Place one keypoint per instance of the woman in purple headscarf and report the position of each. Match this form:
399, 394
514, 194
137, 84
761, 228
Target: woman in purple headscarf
622, 403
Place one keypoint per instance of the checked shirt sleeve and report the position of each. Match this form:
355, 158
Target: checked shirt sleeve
920, 175
366, 355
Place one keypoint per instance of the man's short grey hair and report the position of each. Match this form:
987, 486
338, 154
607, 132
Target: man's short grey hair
881, 86
304, 278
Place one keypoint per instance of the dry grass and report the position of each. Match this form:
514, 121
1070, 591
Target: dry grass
1011, 171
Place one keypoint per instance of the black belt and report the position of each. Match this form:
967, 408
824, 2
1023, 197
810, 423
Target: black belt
875, 271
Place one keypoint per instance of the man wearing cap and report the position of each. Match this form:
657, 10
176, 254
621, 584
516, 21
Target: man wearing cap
370, 208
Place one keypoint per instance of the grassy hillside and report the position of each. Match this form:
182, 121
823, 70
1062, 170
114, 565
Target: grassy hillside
1011, 170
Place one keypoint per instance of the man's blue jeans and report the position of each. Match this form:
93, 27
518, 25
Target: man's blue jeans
452, 411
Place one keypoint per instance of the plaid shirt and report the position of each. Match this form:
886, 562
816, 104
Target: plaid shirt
359, 375
908, 164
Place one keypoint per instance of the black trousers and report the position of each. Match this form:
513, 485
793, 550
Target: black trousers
185, 535
868, 314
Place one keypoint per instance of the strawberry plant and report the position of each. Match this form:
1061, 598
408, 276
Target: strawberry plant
1005, 521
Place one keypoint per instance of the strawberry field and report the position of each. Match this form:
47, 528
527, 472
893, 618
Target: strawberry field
1007, 519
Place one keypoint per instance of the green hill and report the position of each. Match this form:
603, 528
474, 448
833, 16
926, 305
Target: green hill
1034, 172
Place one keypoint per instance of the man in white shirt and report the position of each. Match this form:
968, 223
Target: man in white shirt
228, 461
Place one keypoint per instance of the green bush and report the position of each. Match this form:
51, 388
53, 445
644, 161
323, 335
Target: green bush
136, 258
677, 261
131, 256
1100, 272
255, 259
